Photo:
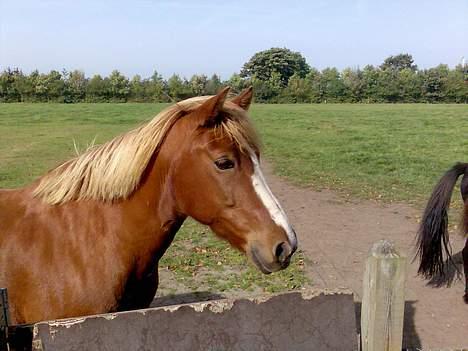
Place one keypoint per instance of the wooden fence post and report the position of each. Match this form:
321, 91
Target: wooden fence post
383, 300
4, 319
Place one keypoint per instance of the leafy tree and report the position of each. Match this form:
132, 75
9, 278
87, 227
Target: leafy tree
410, 84
267, 91
275, 84
75, 86
198, 84
9, 85
298, 90
284, 62
50, 87
41, 88
303, 90
399, 62
434, 81
214, 85
331, 85
312, 82
178, 89
237, 83
119, 86
388, 89
97, 89
456, 86
26, 85
370, 82
156, 89
354, 84
397, 78
22, 86
56, 86
137, 89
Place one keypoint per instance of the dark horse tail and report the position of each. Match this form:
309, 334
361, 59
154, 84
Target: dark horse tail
433, 239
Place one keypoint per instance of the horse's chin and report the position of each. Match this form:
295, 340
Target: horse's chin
264, 267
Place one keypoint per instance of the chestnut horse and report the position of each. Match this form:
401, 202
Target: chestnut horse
433, 240
86, 237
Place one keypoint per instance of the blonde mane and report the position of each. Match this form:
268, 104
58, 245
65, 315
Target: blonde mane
113, 170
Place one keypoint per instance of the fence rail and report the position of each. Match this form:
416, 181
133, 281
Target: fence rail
381, 317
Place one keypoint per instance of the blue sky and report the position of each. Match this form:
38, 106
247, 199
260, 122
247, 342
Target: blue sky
207, 36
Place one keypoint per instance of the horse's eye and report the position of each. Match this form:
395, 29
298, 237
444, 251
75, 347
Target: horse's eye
224, 163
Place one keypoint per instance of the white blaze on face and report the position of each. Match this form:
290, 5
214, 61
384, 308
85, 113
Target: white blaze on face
271, 203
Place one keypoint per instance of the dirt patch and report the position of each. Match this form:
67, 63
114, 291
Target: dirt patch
336, 233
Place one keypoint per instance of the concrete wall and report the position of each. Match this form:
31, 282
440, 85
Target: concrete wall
307, 320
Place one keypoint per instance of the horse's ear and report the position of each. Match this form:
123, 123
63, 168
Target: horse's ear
212, 107
244, 99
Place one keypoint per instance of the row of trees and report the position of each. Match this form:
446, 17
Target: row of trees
370, 84
277, 75
70, 87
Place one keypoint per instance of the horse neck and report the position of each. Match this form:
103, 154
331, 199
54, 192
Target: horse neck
153, 208
152, 216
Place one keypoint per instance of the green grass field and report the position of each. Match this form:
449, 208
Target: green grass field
389, 152
393, 152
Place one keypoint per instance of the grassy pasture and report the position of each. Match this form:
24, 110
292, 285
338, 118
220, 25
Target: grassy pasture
393, 152
390, 152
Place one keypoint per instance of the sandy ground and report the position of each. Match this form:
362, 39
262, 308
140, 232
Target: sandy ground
336, 234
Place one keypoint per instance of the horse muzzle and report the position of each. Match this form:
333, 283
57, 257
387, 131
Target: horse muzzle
279, 259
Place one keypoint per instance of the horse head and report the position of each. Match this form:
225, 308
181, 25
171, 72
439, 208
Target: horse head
217, 180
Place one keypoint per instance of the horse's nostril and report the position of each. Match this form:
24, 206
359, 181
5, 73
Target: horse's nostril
283, 252
279, 250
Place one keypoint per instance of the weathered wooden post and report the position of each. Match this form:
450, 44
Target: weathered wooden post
383, 300
4, 319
